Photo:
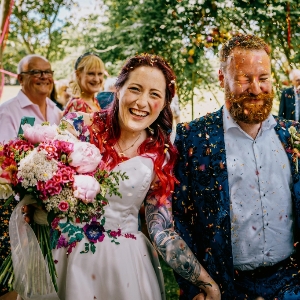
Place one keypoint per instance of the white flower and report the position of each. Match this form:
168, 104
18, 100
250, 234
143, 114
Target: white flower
65, 195
36, 166
6, 191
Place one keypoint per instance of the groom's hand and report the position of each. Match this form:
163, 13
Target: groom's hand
211, 293
200, 296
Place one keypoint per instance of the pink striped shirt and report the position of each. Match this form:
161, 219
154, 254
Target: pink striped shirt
12, 111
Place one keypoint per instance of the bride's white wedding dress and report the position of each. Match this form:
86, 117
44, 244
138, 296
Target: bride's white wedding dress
129, 270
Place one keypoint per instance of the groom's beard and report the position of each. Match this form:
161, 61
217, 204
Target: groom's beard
243, 110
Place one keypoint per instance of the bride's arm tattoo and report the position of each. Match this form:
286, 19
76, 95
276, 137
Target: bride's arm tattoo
169, 244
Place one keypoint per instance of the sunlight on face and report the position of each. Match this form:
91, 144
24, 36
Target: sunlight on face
142, 98
248, 87
91, 81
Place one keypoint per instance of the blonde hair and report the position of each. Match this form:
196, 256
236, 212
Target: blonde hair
84, 65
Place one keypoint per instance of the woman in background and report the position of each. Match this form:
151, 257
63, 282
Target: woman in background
62, 90
88, 80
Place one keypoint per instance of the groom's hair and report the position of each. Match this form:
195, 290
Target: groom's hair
243, 41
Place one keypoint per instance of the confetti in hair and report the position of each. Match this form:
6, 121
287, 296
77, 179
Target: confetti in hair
244, 41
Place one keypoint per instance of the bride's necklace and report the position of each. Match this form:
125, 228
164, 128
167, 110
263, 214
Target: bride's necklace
123, 150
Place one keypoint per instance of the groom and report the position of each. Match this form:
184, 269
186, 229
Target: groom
238, 202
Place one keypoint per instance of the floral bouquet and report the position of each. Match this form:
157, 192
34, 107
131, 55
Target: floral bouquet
295, 145
63, 178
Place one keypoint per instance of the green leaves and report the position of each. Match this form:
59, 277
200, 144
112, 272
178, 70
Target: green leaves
109, 181
188, 34
34, 28
89, 247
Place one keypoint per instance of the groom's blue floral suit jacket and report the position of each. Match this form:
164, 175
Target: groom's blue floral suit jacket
201, 204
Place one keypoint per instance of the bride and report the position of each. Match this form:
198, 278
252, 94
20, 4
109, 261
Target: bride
133, 137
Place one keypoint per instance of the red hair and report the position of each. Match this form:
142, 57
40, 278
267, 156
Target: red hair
105, 130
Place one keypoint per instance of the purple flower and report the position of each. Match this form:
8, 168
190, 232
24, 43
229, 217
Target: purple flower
62, 242
94, 232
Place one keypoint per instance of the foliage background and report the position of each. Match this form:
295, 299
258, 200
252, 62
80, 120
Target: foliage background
188, 33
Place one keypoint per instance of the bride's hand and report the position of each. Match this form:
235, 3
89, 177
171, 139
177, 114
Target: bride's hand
28, 212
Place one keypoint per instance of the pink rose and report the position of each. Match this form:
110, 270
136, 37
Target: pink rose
39, 133
63, 206
85, 157
86, 188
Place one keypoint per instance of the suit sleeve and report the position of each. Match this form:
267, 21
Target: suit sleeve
181, 206
282, 105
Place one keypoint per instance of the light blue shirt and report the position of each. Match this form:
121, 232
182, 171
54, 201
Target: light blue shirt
259, 177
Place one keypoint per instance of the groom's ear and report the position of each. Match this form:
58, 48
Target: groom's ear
221, 78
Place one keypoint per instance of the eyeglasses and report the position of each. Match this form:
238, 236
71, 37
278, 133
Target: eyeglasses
39, 73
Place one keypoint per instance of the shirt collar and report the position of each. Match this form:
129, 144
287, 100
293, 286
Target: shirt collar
296, 94
228, 121
24, 101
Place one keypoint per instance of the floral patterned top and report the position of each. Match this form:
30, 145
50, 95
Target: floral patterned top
77, 122
78, 104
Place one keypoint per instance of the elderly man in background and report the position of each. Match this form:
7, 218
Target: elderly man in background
289, 107
36, 78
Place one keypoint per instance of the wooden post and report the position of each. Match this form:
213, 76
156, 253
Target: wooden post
4, 14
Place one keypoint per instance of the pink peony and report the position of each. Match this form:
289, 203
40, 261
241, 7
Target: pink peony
39, 133
86, 188
63, 206
85, 157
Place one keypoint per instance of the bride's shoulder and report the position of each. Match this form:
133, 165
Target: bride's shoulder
77, 123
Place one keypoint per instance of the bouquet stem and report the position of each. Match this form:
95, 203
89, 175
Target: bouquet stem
6, 273
42, 233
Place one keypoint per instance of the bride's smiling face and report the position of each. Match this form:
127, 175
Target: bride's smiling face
141, 98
